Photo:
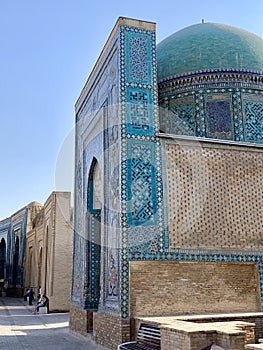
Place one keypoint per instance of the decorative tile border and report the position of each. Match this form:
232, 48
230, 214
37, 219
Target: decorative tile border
245, 111
140, 150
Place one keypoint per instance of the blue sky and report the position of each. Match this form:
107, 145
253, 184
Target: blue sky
48, 49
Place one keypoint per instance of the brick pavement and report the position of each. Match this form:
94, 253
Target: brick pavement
22, 330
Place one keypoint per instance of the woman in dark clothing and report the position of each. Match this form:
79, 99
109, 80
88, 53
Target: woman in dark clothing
30, 296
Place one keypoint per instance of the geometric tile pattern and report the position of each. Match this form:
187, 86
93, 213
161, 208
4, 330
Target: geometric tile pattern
237, 115
143, 242
253, 113
219, 119
139, 111
79, 257
92, 287
139, 47
182, 118
141, 184
200, 114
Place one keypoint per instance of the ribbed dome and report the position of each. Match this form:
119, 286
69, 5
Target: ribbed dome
209, 46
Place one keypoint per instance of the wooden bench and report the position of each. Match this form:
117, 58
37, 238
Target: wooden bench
148, 338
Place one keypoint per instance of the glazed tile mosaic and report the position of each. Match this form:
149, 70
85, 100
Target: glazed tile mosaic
226, 113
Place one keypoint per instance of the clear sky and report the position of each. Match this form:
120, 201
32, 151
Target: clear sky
48, 48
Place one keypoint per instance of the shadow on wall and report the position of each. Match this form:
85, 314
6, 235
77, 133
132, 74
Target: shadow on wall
213, 347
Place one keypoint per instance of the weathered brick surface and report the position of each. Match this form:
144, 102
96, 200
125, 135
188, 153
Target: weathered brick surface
62, 263
214, 196
258, 321
81, 321
171, 340
110, 331
168, 288
177, 339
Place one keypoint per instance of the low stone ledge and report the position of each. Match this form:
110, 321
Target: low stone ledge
185, 335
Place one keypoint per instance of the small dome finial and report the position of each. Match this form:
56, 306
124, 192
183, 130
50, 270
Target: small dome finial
203, 21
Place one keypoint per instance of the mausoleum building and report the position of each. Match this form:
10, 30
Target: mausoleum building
168, 179
48, 258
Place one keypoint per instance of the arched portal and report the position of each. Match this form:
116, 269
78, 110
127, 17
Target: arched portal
15, 262
94, 205
2, 259
39, 267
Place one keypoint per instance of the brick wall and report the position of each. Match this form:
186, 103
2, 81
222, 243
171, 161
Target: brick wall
214, 196
231, 342
170, 339
110, 331
62, 265
81, 321
161, 288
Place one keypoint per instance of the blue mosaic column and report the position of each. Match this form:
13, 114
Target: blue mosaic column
141, 184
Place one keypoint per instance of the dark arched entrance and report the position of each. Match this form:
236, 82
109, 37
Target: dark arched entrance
2, 259
94, 204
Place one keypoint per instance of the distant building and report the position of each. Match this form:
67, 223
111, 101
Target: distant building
48, 261
36, 250
12, 248
168, 182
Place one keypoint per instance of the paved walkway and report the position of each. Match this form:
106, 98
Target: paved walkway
21, 330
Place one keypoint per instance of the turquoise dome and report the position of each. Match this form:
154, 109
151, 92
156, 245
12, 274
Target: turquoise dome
209, 46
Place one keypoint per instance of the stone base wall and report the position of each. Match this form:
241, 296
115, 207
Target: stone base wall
181, 340
110, 331
81, 321
158, 288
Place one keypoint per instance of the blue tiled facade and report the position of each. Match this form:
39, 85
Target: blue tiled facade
13, 238
125, 104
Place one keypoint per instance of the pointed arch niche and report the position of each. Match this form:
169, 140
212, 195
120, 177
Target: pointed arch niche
94, 206
2, 259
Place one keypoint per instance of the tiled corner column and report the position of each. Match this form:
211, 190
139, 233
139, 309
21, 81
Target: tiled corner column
141, 179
